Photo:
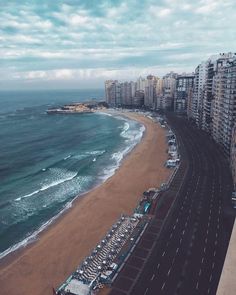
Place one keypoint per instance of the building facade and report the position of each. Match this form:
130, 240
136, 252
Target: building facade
224, 107
196, 109
113, 92
150, 92
183, 88
166, 96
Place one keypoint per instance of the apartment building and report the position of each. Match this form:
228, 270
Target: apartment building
150, 92
196, 108
227, 113
183, 88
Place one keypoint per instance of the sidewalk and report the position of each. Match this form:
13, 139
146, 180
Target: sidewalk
227, 284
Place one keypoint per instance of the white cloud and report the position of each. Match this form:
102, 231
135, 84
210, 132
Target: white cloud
76, 19
160, 12
116, 12
177, 34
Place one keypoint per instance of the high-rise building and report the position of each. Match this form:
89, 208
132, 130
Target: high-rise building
196, 109
138, 99
126, 93
213, 66
150, 92
133, 86
183, 88
141, 83
217, 104
224, 104
113, 94
166, 98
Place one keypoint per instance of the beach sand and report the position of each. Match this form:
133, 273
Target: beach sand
61, 248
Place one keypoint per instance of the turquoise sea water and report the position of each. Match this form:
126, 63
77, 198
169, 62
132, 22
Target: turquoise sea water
47, 160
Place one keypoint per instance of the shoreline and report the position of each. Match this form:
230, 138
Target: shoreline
35, 235
61, 247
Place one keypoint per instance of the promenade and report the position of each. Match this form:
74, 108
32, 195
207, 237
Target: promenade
227, 284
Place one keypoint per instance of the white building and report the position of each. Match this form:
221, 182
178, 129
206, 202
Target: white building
198, 93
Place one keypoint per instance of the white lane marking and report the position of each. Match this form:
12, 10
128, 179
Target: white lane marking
169, 272
173, 260
202, 259
146, 291
180, 241
216, 242
153, 276
197, 285
163, 286
163, 253
177, 250
213, 265
207, 231
204, 249
206, 240
174, 226
208, 291
200, 272
210, 277
158, 265
183, 232
214, 253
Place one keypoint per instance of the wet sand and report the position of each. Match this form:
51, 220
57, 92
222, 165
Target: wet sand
61, 248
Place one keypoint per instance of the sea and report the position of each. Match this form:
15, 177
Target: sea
46, 161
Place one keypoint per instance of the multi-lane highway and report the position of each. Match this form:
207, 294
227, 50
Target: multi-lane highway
187, 256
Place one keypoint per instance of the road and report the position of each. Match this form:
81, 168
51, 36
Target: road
188, 255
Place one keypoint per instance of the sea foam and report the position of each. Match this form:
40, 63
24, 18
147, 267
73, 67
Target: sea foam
70, 176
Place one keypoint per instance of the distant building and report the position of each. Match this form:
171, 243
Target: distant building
141, 83
183, 87
138, 99
123, 93
113, 92
166, 97
150, 91
126, 93
190, 104
196, 111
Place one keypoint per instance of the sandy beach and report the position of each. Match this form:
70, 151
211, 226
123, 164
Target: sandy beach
61, 248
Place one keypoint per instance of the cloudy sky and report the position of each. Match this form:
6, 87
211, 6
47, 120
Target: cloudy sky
81, 43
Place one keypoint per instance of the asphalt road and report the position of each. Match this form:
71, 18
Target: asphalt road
187, 256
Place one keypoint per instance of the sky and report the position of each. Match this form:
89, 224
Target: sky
46, 44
